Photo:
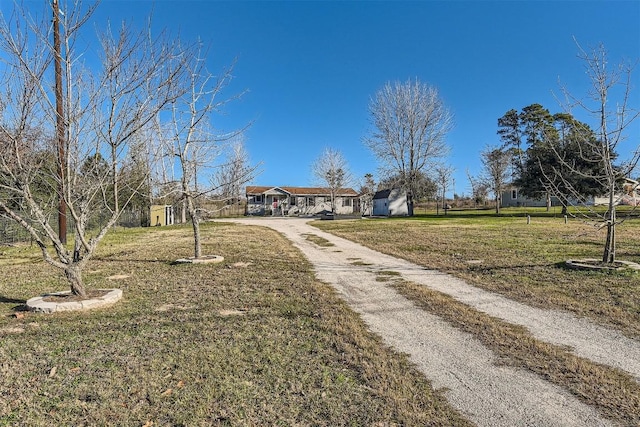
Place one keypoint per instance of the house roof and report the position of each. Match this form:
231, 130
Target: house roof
299, 191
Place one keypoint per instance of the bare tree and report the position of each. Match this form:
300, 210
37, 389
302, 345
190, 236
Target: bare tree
234, 173
610, 126
411, 123
332, 171
444, 175
106, 106
188, 136
496, 164
367, 191
478, 189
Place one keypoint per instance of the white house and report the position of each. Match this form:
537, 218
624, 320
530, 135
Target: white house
628, 196
392, 202
282, 201
512, 197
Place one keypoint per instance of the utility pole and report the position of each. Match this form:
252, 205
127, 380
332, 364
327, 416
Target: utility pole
60, 125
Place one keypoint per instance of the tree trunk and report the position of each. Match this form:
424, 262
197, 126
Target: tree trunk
609, 255
549, 202
409, 203
74, 276
497, 205
195, 223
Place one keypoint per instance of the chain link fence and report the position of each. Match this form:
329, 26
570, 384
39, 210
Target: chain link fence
12, 233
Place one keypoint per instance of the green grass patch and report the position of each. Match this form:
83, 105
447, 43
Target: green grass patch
387, 276
388, 273
320, 241
521, 261
255, 340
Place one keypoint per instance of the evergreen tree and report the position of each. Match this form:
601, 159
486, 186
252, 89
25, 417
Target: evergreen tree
553, 160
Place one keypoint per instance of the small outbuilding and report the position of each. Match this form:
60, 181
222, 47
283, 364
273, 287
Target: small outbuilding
391, 202
161, 215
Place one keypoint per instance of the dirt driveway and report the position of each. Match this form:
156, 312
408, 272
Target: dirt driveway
487, 393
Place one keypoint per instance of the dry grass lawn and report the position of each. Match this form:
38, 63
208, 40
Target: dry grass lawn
255, 340
521, 261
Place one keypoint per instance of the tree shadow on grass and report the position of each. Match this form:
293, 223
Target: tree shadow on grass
111, 258
7, 300
21, 304
489, 268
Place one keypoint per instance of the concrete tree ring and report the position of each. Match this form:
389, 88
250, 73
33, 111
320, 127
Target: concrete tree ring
205, 259
597, 265
40, 305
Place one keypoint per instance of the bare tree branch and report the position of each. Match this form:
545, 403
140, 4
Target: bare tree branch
411, 123
106, 107
496, 163
331, 170
189, 142
602, 151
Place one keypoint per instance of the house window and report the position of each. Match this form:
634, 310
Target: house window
514, 194
258, 198
292, 200
327, 199
346, 201
311, 201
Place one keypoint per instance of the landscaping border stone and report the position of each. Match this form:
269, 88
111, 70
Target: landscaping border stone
39, 305
597, 265
205, 259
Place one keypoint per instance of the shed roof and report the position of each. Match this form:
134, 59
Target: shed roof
382, 194
390, 193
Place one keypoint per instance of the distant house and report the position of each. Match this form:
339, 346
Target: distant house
391, 202
511, 197
629, 196
281, 201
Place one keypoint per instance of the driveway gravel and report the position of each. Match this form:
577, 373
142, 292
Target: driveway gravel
473, 381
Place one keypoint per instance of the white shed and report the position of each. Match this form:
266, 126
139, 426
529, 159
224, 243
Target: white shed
392, 202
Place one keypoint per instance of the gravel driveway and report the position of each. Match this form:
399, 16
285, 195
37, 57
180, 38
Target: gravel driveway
487, 393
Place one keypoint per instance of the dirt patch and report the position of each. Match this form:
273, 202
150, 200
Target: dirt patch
11, 330
241, 264
118, 277
232, 312
170, 307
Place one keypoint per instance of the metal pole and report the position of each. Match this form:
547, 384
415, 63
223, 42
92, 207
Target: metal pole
60, 125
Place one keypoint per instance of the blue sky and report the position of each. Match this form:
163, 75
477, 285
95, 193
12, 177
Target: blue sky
310, 67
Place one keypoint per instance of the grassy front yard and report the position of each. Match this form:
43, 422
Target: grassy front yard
506, 255
255, 340
522, 261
